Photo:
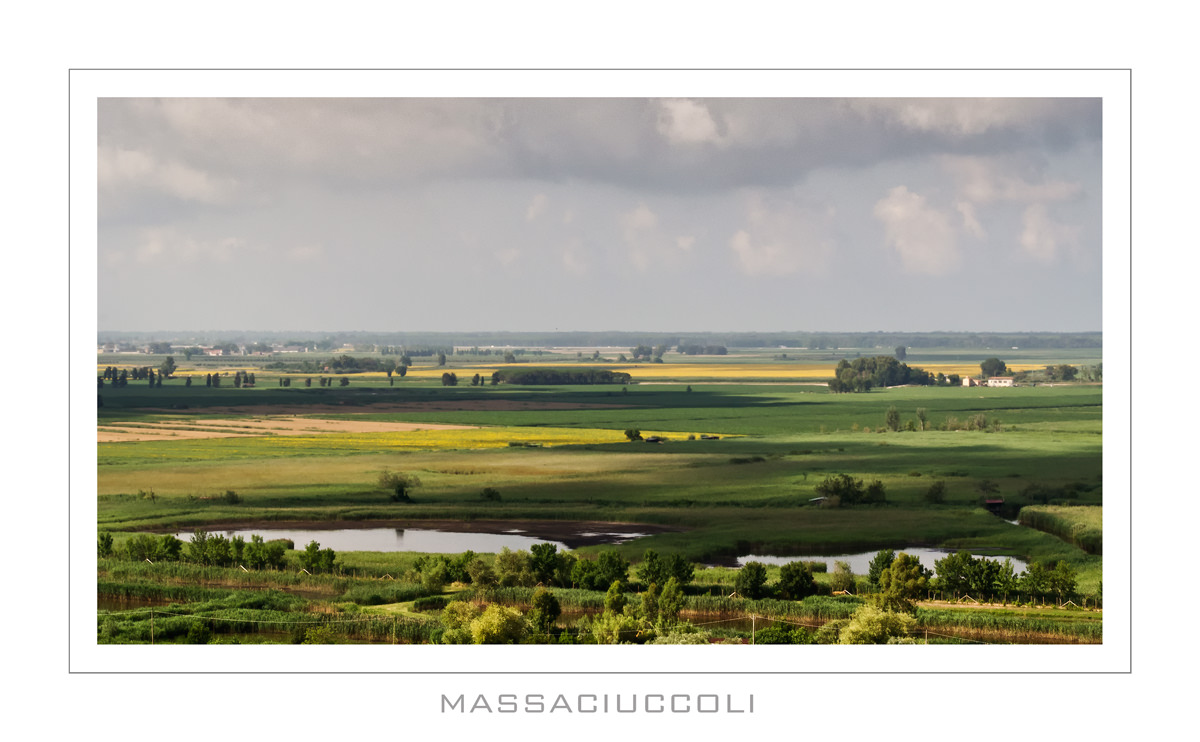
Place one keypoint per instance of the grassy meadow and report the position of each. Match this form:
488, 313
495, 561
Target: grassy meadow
748, 438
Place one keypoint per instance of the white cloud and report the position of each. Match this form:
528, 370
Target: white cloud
957, 116
638, 220
966, 209
686, 122
508, 256
986, 180
574, 259
122, 171
920, 234
169, 244
685, 242
782, 237
536, 208
1042, 238
305, 253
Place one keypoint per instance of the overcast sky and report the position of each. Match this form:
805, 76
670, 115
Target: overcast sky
600, 214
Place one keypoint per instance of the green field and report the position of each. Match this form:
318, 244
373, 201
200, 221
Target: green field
560, 454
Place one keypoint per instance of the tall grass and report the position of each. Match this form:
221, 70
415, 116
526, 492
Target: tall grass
1079, 525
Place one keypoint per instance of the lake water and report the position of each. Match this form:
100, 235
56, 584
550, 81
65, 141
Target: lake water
410, 539
860, 564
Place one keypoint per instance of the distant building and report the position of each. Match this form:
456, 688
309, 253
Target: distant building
968, 381
1000, 381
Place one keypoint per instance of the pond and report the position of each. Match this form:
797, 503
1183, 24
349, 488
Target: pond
860, 564
433, 540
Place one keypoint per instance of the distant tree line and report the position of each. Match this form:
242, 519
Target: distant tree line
863, 374
695, 349
430, 343
559, 376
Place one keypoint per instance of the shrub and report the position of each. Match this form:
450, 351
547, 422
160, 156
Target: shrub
847, 489
751, 580
796, 581
499, 625
490, 494
399, 483
872, 625
936, 494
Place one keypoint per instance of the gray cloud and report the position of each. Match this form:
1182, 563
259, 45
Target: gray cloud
600, 203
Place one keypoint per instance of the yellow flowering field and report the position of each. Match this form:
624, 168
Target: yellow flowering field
377, 442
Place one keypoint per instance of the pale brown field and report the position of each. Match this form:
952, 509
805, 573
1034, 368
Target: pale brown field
253, 426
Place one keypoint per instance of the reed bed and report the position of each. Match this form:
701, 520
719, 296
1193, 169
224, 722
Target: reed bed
1078, 525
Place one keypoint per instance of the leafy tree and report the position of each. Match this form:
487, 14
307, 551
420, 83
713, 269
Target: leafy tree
847, 489
255, 553
1062, 580
611, 567
614, 599
512, 568
883, 559
1036, 579
751, 580
1006, 579
317, 560
875, 493
649, 607
481, 573
841, 579
400, 484
892, 419
923, 417
796, 581
954, 572
543, 560
583, 574
633, 434
490, 494
901, 353
545, 610
670, 603
449, 379
457, 617
987, 488
902, 583
1061, 372
652, 569
167, 368
104, 545
936, 493
993, 367
434, 577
